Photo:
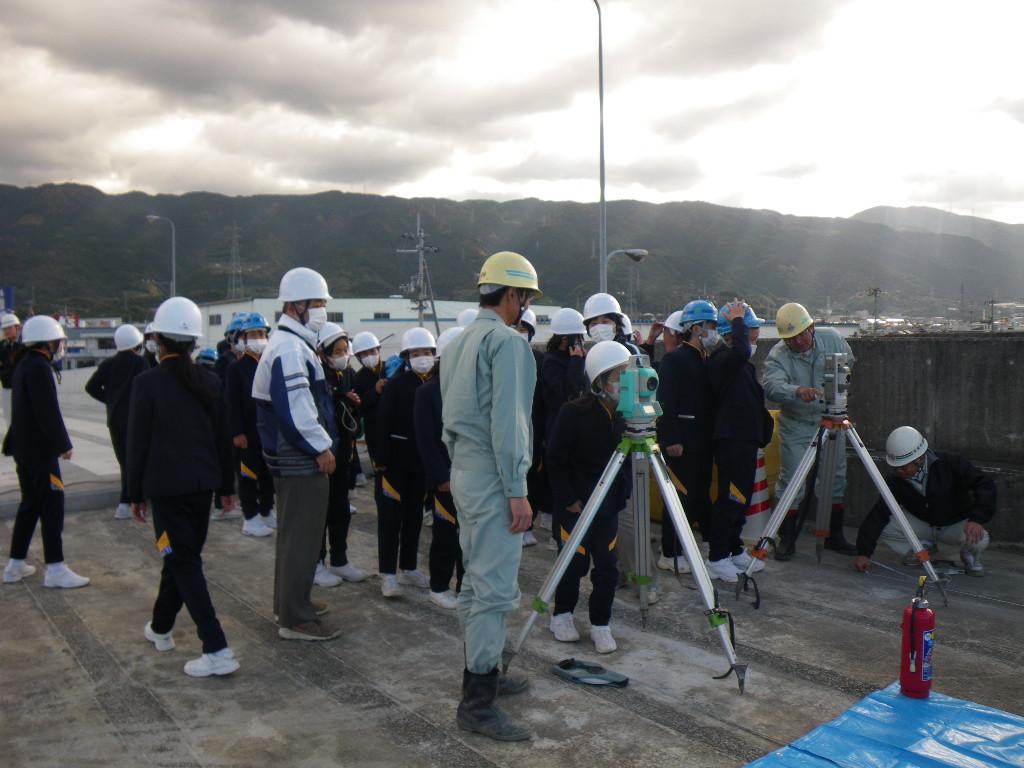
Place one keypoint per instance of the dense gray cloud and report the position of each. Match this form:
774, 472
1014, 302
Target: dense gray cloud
981, 191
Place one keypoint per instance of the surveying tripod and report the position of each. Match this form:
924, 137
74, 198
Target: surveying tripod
824, 450
638, 385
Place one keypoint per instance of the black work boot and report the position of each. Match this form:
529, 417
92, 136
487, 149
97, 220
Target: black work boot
510, 683
836, 540
787, 537
478, 714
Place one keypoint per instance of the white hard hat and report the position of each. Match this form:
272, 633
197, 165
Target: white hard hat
445, 338
418, 338
466, 317
302, 284
127, 337
601, 304
529, 318
568, 322
627, 326
41, 328
179, 319
903, 445
603, 357
9, 320
329, 334
364, 341
674, 322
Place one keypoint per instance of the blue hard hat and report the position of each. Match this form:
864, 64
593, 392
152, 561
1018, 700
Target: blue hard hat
207, 353
698, 311
235, 324
253, 321
750, 319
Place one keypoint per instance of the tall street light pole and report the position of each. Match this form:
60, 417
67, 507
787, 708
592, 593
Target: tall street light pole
174, 257
603, 212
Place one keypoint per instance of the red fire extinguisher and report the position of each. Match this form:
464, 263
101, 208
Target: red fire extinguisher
918, 640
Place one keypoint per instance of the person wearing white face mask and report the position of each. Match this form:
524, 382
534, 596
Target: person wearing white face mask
37, 438
296, 426
584, 437
604, 321
150, 348
538, 487
370, 380
333, 345
255, 483
403, 480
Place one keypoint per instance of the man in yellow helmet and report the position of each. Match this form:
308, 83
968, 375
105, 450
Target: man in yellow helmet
793, 376
487, 385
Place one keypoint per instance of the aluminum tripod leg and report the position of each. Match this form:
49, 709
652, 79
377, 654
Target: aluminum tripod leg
718, 619
830, 448
782, 507
895, 510
641, 511
547, 589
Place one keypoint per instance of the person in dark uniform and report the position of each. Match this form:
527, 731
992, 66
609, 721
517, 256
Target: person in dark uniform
742, 425
230, 349
111, 384
178, 455
605, 321
255, 483
369, 382
684, 429
207, 358
403, 485
36, 439
333, 346
10, 327
149, 346
584, 437
445, 552
538, 487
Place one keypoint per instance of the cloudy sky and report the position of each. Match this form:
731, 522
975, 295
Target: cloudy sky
820, 107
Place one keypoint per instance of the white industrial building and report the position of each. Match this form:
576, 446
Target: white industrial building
386, 318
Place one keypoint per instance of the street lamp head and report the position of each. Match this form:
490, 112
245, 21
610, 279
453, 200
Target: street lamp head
151, 217
636, 254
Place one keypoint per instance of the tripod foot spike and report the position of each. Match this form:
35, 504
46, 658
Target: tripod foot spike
741, 676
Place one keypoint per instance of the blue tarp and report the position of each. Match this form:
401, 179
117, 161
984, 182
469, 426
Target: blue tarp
888, 730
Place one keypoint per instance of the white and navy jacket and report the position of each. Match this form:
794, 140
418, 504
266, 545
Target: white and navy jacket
294, 411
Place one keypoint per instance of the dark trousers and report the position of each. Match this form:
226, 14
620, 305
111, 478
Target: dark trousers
338, 518
538, 490
42, 501
737, 465
119, 440
599, 546
180, 524
255, 483
691, 475
445, 552
301, 516
399, 519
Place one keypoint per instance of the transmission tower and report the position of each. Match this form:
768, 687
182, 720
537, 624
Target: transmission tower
235, 271
875, 293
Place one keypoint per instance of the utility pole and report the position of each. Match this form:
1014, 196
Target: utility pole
423, 287
235, 289
875, 292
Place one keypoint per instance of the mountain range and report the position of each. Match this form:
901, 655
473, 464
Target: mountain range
72, 245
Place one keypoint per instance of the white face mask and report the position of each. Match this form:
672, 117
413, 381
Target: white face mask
612, 390
59, 354
151, 346
370, 361
240, 347
317, 318
339, 362
709, 340
602, 332
422, 365
256, 346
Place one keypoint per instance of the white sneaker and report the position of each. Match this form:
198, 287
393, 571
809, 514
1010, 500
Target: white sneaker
352, 509
672, 563
348, 572
414, 579
256, 527
223, 662
389, 586
63, 577
428, 517
743, 560
971, 559
220, 514
723, 570
603, 640
123, 512
17, 570
544, 521
652, 595
161, 642
552, 545
446, 599
324, 578
270, 519
529, 540
360, 480
563, 628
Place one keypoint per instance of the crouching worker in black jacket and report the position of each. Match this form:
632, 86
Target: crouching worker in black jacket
585, 435
946, 500
445, 552
178, 455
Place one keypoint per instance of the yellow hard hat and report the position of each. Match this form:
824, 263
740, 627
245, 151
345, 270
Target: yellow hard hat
792, 320
509, 269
